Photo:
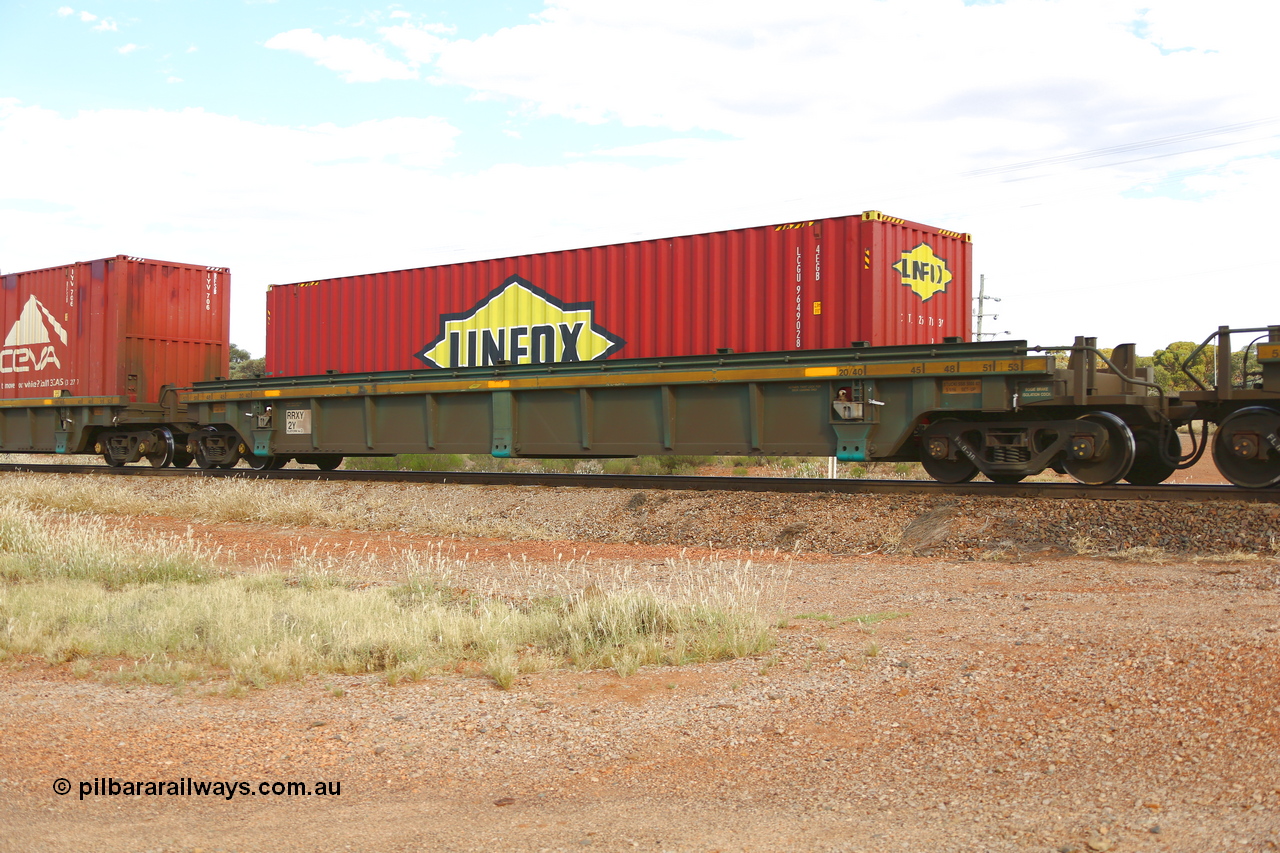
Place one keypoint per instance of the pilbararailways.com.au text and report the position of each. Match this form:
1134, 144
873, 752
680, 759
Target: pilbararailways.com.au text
188, 787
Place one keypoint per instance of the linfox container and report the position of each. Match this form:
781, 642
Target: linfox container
797, 286
116, 327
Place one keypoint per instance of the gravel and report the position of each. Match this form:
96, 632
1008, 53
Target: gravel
1023, 689
841, 524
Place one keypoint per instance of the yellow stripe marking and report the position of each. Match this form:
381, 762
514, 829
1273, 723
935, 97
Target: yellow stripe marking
63, 401
608, 380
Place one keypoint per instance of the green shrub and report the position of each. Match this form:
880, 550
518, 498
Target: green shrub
432, 462
618, 467
650, 466
407, 462
371, 463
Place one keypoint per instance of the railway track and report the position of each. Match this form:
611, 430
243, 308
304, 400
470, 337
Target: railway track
1058, 491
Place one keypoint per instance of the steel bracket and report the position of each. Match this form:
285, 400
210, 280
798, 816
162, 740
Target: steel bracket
852, 441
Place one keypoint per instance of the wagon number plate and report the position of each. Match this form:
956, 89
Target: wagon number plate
297, 421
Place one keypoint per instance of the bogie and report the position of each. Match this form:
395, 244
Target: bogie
214, 448
122, 447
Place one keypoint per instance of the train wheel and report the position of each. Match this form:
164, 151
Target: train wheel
114, 463
1245, 448
1113, 462
939, 467
1149, 467
327, 463
199, 456
182, 459
958, 470
260, 463
163, 449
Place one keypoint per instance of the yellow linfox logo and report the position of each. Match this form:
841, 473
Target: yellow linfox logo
520, 323
924, 272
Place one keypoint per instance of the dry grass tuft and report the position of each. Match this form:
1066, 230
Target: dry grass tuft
284, 504
1230, 557
73, 593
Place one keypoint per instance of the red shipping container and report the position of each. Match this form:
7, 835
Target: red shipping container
801, 285
116, 327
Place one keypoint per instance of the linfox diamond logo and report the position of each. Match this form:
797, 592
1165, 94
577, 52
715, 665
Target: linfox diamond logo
520, 323
28, 345
924, 272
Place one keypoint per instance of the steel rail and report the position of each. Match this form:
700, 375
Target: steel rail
1054, 491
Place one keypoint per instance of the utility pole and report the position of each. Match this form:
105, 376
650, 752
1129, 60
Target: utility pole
979, 310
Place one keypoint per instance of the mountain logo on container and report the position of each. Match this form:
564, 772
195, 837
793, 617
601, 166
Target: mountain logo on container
28, 346
520, 323
924, 272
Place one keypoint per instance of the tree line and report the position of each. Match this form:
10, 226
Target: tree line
1168, 362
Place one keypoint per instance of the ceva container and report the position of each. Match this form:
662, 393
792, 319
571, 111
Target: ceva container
116, 327
818, 284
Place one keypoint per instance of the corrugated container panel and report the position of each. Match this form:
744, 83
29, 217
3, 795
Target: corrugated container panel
115, 327
801, 285
912, 306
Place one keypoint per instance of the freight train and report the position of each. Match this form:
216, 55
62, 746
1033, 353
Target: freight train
107, 358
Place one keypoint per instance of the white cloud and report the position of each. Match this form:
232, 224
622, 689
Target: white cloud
421, 43
127, 49
1076, 139
103, 25
675, 149
758, 69
838, 105
214, 189
357, 60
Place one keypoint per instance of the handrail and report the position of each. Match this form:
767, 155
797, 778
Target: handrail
1221, 333
1086, 349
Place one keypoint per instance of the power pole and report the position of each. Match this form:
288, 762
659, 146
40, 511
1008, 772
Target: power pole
979, 310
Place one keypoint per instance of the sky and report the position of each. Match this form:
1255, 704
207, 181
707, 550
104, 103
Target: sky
1116, 162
